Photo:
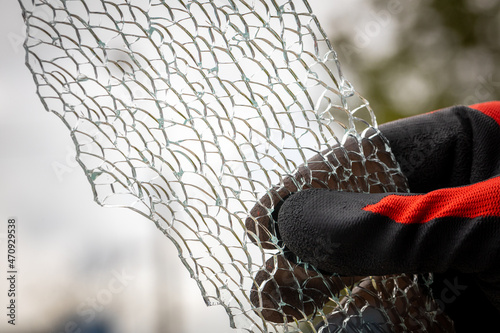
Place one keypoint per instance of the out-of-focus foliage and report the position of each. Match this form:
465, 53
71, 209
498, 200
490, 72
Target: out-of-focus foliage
413, 56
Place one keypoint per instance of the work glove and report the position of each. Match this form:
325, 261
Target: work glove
451, 158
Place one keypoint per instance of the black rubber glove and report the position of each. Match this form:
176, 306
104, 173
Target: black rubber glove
451, 157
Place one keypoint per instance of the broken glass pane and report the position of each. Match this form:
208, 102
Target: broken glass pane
202, 115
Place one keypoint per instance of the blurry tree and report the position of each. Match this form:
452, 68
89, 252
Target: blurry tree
413, 56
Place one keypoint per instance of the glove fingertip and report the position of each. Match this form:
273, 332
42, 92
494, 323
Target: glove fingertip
296, 225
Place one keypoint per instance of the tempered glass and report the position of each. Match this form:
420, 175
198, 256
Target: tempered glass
202, 116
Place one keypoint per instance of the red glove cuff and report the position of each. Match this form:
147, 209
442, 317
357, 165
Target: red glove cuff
476, 200
491, 109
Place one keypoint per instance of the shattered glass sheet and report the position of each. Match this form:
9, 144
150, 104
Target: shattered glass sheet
190, 112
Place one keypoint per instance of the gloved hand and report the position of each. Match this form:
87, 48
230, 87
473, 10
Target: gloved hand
452, 158
286, 290
454, 224
283, 286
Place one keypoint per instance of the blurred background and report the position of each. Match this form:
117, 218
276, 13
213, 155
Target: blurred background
415, 56
83, 268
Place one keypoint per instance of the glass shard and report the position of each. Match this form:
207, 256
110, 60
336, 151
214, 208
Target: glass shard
202, 115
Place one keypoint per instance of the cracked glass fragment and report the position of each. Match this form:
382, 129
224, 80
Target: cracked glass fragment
201, 115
